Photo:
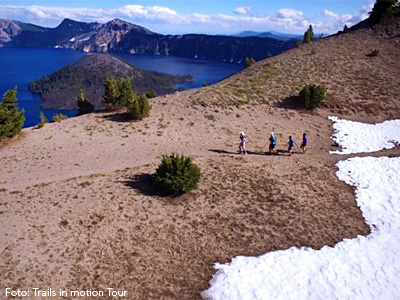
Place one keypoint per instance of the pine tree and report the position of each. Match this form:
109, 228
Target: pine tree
84, 104
126, 94
345, 29
384, 9
308, 35
144, 106
11, 119
111, 93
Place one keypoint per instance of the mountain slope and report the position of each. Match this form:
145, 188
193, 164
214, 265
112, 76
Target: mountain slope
59, 89
355, 82
121, 36
78, 195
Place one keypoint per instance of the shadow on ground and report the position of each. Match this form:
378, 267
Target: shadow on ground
119, 117
291, 102
144, 184
278, 152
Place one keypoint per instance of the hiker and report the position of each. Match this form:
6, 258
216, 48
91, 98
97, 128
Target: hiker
242, 145
291, 145
304, 143
272, 143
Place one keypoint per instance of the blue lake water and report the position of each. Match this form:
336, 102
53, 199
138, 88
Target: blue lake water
20, 66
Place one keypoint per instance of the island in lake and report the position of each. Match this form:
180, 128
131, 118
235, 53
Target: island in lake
59, 89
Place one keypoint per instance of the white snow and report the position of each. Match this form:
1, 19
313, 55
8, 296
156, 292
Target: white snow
72, 40
355, 137
361, 268
85, 39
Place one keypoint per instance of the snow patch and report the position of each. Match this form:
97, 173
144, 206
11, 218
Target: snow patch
356, 137
367, 267
72, 40
85, 39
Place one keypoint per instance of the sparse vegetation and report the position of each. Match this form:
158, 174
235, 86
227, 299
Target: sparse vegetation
43, 120
312, 96
151, 94
373, 53
11, 119
59, 117
84, 104
210, 117
308, 35
297, 43
177, 175
248, 61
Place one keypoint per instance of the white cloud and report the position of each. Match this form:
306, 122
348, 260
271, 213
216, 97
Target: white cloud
289, 14
166, 20
243, 10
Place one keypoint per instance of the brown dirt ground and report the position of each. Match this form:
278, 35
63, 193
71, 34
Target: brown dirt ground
78, 209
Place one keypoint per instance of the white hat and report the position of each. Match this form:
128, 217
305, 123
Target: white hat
242, 133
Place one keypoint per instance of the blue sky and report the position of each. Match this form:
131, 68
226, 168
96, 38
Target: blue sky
190, 16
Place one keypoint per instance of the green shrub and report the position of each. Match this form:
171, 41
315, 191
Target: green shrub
248, 61
11, 119
151, 94
297, 43
312, 96
43, 120
59, 117
84, 104
177, 175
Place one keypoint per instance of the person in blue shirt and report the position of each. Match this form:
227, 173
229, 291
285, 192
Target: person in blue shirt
304, 143
272, 143
291, 145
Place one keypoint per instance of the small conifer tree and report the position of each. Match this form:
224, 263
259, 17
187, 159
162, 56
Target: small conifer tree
144, 106
11, 119
308, 35
177, 175
312, 96
126, 94
43, 120
84, 104
111, 93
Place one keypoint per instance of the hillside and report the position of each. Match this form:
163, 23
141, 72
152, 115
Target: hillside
120, 36
356, 83
59, 89
77, 196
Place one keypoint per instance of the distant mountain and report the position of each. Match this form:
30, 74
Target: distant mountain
59, 89
120, 36
270, 34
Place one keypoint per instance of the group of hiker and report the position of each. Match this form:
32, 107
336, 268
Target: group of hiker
272, 144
